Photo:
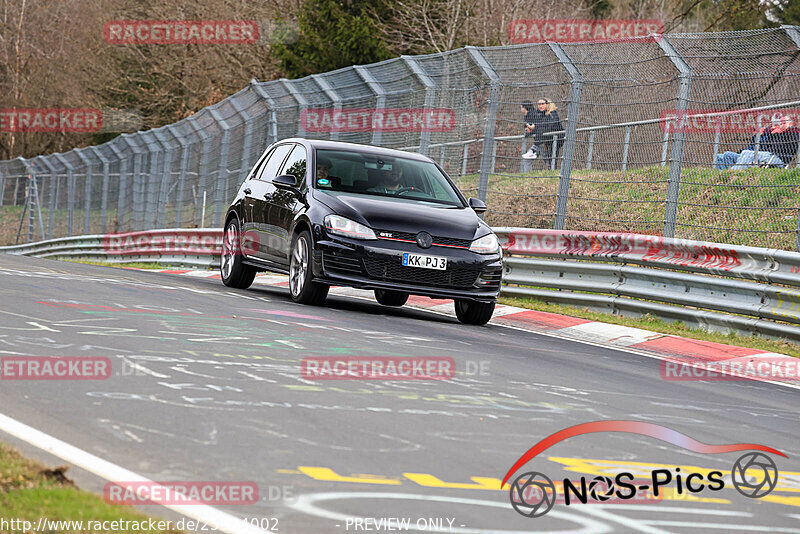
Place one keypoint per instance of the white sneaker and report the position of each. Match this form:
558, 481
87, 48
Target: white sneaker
530, 154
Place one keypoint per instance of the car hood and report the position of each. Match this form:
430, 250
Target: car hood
399, 215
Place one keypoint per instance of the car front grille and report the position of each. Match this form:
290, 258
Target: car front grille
392, 269
437, 240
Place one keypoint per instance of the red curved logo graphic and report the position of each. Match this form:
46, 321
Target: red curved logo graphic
633, 427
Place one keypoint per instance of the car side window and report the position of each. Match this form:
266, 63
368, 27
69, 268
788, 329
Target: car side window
270, 169
296, 165
256, 170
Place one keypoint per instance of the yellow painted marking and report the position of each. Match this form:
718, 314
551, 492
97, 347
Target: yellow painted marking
430, 481
327, 474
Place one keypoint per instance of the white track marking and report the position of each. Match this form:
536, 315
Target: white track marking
113, 473
306, 504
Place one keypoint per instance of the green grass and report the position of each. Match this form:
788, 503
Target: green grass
756, 207
654, 324
29, 491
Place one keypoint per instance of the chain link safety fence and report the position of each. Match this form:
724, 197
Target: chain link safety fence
624, 158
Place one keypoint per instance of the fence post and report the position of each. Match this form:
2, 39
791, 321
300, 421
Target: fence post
380, 98
676, 159
272, 136
323, 84
87, 190
222, 183
489, 143
2, 186
244, 167
430, 87
202, 171
51, 201
794, 35
70, 191
155, 215
625, 146
185, 151
591, 150
571, 132
104, 192
123, 168
149, 192
135, 178
302, 104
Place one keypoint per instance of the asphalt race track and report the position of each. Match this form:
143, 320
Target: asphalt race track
207, 386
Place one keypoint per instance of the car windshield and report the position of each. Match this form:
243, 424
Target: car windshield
385, 176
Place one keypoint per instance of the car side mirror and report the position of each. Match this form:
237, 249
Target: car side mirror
288, 183
478, 205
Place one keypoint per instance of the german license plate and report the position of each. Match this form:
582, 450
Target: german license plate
425, 262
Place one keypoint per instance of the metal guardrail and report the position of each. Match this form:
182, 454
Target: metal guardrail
184, 247
709, 285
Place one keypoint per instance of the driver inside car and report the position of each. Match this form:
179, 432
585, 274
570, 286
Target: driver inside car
392, 181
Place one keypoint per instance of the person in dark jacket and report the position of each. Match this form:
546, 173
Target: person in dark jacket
777, 147
544, 119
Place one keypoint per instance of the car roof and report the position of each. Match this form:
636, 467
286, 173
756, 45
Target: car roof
355, 147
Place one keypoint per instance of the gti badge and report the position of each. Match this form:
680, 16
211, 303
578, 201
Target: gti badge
386, 234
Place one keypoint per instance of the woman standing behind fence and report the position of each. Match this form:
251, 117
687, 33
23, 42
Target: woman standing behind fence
539, 122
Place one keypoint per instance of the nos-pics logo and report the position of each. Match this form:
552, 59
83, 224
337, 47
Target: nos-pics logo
533, 494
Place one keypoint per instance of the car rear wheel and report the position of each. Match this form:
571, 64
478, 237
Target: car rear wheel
301, 287
387, 297
471, 312
233, 272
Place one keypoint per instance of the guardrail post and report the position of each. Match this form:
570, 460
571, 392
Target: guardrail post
104, 192
222, 183
302, 104
571, 132
87, 190
185, 151
323, 84
272, 133
155, 215
70, 191
202, 173
380, 98
489, 143
676, 160
430, 87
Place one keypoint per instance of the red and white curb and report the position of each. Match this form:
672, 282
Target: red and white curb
695, 359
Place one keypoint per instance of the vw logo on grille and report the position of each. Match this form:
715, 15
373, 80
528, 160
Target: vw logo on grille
424, 240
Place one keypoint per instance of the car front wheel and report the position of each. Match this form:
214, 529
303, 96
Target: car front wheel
301, 287
233, 271
471, 312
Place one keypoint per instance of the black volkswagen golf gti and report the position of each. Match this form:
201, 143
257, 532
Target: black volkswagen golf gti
342, 214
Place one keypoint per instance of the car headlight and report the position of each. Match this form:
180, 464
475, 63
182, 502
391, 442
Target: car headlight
487, 244
338, 225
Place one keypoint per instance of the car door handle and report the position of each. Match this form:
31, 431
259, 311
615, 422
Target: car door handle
247, 191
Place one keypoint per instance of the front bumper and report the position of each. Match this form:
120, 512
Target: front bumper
377, 264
